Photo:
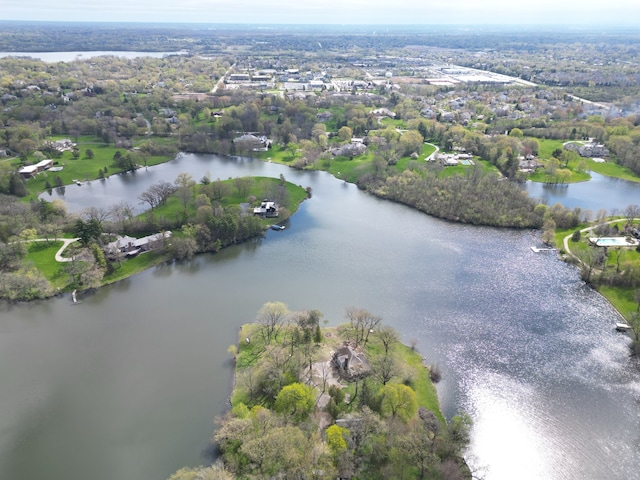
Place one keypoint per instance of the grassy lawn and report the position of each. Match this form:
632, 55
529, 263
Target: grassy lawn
174, 208
135, 265
84, 169
547, 147
576, 177
611, 169
461, 169
42, 256
621, 299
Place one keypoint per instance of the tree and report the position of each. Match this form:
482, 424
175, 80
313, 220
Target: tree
88, 231
388, 336
363, 323
345, 134
183, 184
385, 367
552, 167
183, 248
336, 439
398, 401
631, 213
292, 148
281, 451
296, 401
549, 231
89, 153
216, 471
418, 446
157, 194
271, 316
590, 259
126, 162
17, 186
516, 132
411, 142
243, 184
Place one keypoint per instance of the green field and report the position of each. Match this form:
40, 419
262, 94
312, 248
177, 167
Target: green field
42, 256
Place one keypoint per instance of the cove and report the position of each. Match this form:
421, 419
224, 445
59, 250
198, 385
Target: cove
126, 384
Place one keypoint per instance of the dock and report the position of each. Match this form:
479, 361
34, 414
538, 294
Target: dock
544, 249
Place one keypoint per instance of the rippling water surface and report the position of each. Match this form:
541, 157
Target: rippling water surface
126, 384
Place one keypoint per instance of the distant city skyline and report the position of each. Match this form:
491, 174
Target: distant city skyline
382, 12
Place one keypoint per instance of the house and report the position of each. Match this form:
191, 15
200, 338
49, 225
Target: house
350, 363
131, 246
383, 112
61, 145
32, 170
253, 143
266, 209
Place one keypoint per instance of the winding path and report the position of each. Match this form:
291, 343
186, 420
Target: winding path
65, 243
565, 242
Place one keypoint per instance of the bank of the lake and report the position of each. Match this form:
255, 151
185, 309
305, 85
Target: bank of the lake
193, 219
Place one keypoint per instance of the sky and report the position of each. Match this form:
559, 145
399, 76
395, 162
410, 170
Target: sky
345, 12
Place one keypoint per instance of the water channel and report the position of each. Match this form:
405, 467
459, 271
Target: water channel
126, 384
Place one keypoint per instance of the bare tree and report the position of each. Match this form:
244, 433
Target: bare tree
157, 194
388, 336
385, 367
121, 213
271, 316
631, 213
96, 213
590, 259
363, 323
162, 190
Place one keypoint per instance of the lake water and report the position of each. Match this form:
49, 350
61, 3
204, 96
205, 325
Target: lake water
52, 57
126, 384
599, 193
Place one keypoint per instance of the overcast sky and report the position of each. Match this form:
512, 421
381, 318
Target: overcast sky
594, 12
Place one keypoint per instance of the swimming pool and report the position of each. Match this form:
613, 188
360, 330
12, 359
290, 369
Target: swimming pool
614, 242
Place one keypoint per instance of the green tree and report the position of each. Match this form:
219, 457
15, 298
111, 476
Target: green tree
88, 231
183, 183
336, 439
516, 132
296, 400
411, 142
398, 401
89, 153
345, 134
280, 452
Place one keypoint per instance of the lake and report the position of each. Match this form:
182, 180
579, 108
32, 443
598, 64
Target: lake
52, 57
127, 383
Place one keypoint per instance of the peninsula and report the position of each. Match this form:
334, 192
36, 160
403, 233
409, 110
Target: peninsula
341, 402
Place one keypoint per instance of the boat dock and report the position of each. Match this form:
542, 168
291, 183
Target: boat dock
544, 249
